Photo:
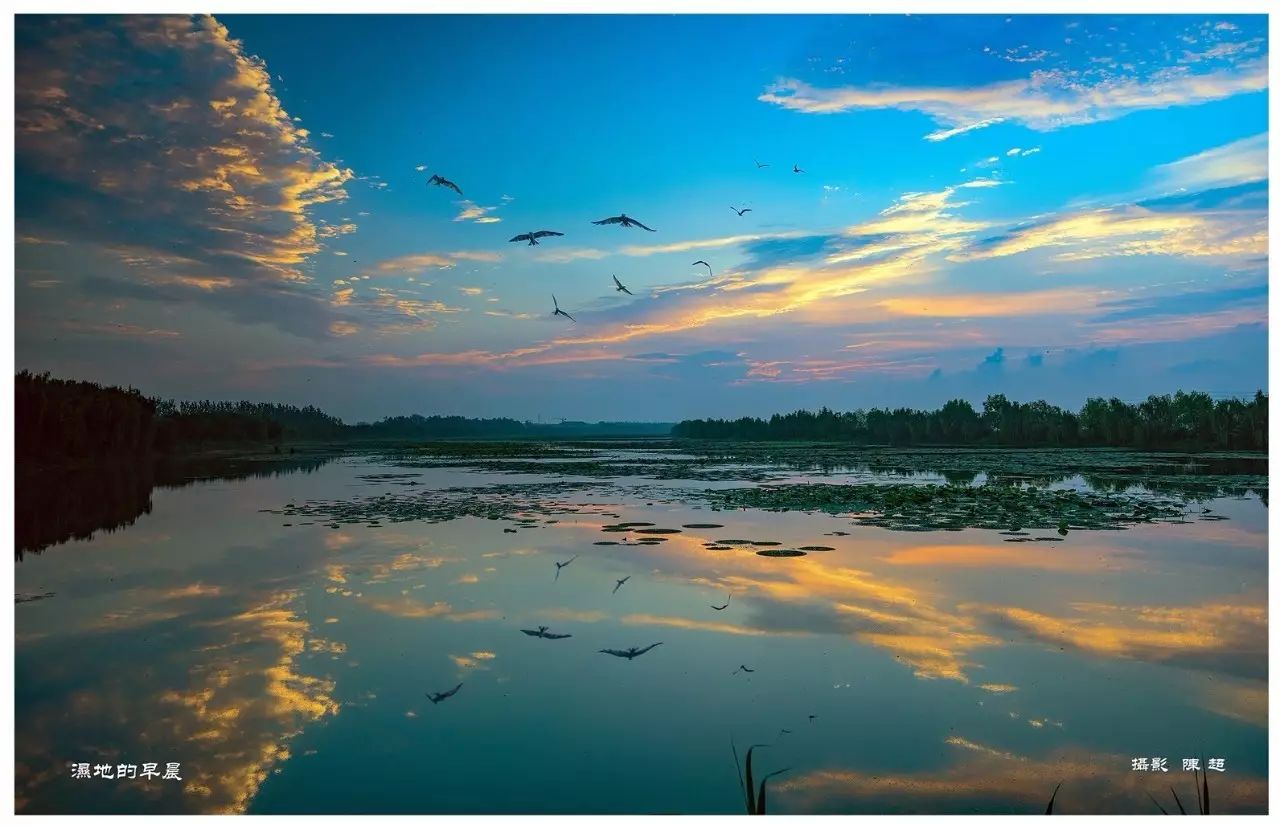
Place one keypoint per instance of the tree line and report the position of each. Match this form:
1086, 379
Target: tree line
1184, 420
60, 421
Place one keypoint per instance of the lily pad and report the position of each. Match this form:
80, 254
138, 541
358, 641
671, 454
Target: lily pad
781, 554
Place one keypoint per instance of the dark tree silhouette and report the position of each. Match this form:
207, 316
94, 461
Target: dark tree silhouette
1184, 420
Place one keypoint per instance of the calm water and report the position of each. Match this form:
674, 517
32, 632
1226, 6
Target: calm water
285, 668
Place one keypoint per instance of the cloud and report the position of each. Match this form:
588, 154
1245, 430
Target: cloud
478, 214
1133, 230
418, 262
1044, 101
175, 140
1243, 161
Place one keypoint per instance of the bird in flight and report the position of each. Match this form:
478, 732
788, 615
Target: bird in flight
743, 669
723, 606
439, 181
796, 168
704, 263
740, 212
532, 237
760, 165
620, 288
560, 565
560, 311
631, 652
542, 633
624, 221
437, 698
620, 583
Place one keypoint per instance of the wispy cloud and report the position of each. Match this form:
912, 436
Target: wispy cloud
1044, 101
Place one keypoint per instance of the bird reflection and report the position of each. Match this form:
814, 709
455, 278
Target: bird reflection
560, 565
437, 698
621, 582
631, 652
723, 606
542, 633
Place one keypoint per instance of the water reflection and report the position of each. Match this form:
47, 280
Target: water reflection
55, 505
937, 671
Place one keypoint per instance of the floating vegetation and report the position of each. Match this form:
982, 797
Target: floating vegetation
766, 543
658, 531
816, 548
924, 507
514, 502
629, 524
781, 554
701, 526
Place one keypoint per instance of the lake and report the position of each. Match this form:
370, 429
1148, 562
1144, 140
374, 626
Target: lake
966, 631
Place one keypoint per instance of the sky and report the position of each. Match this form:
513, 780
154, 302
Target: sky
1048, 207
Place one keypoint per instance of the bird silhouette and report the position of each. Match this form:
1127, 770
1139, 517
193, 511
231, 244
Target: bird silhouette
560, 565
620, 583
624, 221
797, 170
631, 652
620, 288
760, 165
437, 698
812, 717
542, 633
439, 181
723, 606
560, 311
740, 212
532, 237
704, 263
743, 669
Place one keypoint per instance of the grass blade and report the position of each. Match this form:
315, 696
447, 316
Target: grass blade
763, 783
1049, 809
1181, 809
746, 794
1158, 805
1206, 793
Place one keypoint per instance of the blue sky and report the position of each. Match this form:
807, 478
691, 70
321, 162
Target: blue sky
1049, 207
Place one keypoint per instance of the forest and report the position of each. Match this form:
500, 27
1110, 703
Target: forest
1184, 420
60, 421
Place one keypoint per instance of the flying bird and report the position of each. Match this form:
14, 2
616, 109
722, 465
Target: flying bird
624, 221
723, 606
560, 311
439, 181
631, 652
797, 169
437, 698
743, 669
704, 263
560, 565
760, 165
620, 288
542, 633
620, 583
740, 212
532, 237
